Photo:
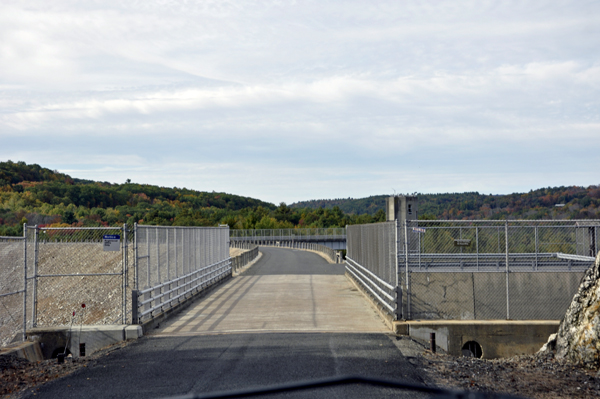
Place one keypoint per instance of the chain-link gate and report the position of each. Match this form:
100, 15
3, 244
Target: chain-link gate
82, 270
13, 286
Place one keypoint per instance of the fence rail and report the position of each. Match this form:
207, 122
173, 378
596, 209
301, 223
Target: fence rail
241, 260
302, 234
57, 276
372, 261
517, 269
174, 263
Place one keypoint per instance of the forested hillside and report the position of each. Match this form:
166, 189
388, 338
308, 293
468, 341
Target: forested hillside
36, 195
574, 203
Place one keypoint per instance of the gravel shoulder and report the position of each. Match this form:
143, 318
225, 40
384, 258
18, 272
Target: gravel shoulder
19, 376
536, 376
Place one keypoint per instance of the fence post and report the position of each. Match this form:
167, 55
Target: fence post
24, 281
125, 273
147, 230
134, 306
35, 269
407, 270
135, 256
396, 267
507, 271
168, 257
158, 276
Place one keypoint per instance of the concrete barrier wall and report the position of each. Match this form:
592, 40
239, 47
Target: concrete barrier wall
482, 296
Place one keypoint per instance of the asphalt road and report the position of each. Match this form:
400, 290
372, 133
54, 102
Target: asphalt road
163, 365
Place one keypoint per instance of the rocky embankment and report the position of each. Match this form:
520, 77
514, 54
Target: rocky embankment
578, 337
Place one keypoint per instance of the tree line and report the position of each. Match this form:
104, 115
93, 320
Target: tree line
39, 196
35, 195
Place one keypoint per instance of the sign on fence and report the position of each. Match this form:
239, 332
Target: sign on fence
112, 242
462, 243
419, 229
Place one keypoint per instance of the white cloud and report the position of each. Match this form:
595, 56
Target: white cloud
337, 90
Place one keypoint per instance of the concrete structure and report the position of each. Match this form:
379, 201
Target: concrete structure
495, 338
30, 350
401, 208
285, 291
54, 340
482, 296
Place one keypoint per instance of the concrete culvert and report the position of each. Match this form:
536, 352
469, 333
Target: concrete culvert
472, 349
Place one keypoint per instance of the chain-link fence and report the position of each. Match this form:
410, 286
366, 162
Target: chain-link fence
259, 236
81, 270
50, 273
372, 260
493, 269
12, 289
173, 263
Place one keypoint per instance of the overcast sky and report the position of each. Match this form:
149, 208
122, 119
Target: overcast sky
297, 100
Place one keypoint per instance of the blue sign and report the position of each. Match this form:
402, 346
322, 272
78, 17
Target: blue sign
112, 237
112, 242
419, 229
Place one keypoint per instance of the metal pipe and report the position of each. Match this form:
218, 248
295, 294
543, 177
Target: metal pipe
125, 273
507, 271
35, 278
135, 257
24, 281
407, 269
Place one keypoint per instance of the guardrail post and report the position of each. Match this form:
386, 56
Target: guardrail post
134, 306
398, 310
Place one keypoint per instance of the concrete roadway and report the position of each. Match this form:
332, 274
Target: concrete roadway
290, 317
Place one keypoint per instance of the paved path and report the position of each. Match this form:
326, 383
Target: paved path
295, 293
286, 290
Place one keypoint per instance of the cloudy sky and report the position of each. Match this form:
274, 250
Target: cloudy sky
295, 100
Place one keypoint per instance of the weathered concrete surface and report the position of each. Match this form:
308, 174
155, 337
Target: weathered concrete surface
498, 338
280, 303
482, 296
94, 337
578, 338
287, 290
29, 350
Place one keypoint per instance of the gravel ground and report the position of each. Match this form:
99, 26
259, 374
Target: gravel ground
19, 376
537, 376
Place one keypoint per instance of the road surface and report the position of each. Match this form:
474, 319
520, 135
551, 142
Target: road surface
208, 347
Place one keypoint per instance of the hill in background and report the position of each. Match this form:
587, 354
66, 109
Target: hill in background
579, 203
40, 196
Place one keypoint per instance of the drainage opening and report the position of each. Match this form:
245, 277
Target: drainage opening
58, 351
472, 349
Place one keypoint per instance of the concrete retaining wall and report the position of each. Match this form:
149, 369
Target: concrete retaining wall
482, 296
497, 338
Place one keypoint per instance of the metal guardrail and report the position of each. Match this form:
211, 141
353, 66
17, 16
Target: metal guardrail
301, 234
166, 295
307, 246
241, 260
176, 263
372, 261
527, 259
